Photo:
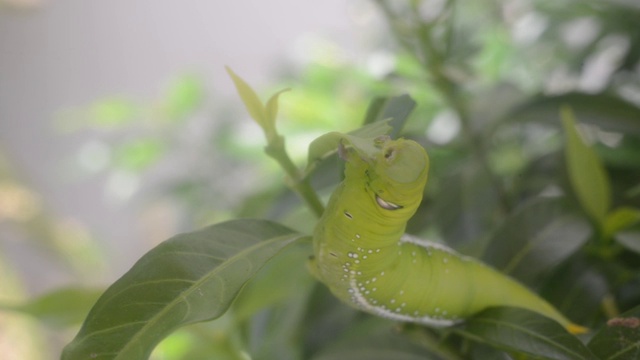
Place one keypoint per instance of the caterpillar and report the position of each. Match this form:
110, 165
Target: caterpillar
363, 256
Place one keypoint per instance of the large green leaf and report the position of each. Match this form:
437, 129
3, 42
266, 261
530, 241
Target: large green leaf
273, 304
620, 338
586, 172
524, 331
190, 278
535, 239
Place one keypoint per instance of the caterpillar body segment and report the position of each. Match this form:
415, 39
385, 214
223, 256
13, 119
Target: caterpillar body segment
363, 256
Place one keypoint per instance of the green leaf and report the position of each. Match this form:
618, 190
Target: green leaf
183, 97
620, 338
276, 282
113, 112
374, 339
524, 331
251, 101
190, 278
271, 110
620, 219
139, 154
465, 201
397, 108
59, 308
535, 239
361, 139
608, 112
576, 288
586, 173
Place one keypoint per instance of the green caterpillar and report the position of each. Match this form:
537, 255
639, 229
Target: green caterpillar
363, 256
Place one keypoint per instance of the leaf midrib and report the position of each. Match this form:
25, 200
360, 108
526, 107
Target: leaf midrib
530, 333
236, 257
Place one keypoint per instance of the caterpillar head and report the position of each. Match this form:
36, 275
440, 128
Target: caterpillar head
399, 174
402, 161
395, 173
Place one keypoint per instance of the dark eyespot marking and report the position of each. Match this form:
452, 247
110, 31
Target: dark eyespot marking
387, 205
389, 154
347, 214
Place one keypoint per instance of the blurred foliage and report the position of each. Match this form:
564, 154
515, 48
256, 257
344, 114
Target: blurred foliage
530, 112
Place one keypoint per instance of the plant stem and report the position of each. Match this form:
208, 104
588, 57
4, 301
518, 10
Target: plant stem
300, 185
432, 61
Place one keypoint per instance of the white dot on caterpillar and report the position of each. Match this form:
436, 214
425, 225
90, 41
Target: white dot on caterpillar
358, 236
377, 250
382, 273
413, 253
445, 260
370, 251
393, 301
403, 304
374, 279
357, 261
401, 292
398, 309
374, 289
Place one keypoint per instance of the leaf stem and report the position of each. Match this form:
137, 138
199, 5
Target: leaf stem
301, 185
